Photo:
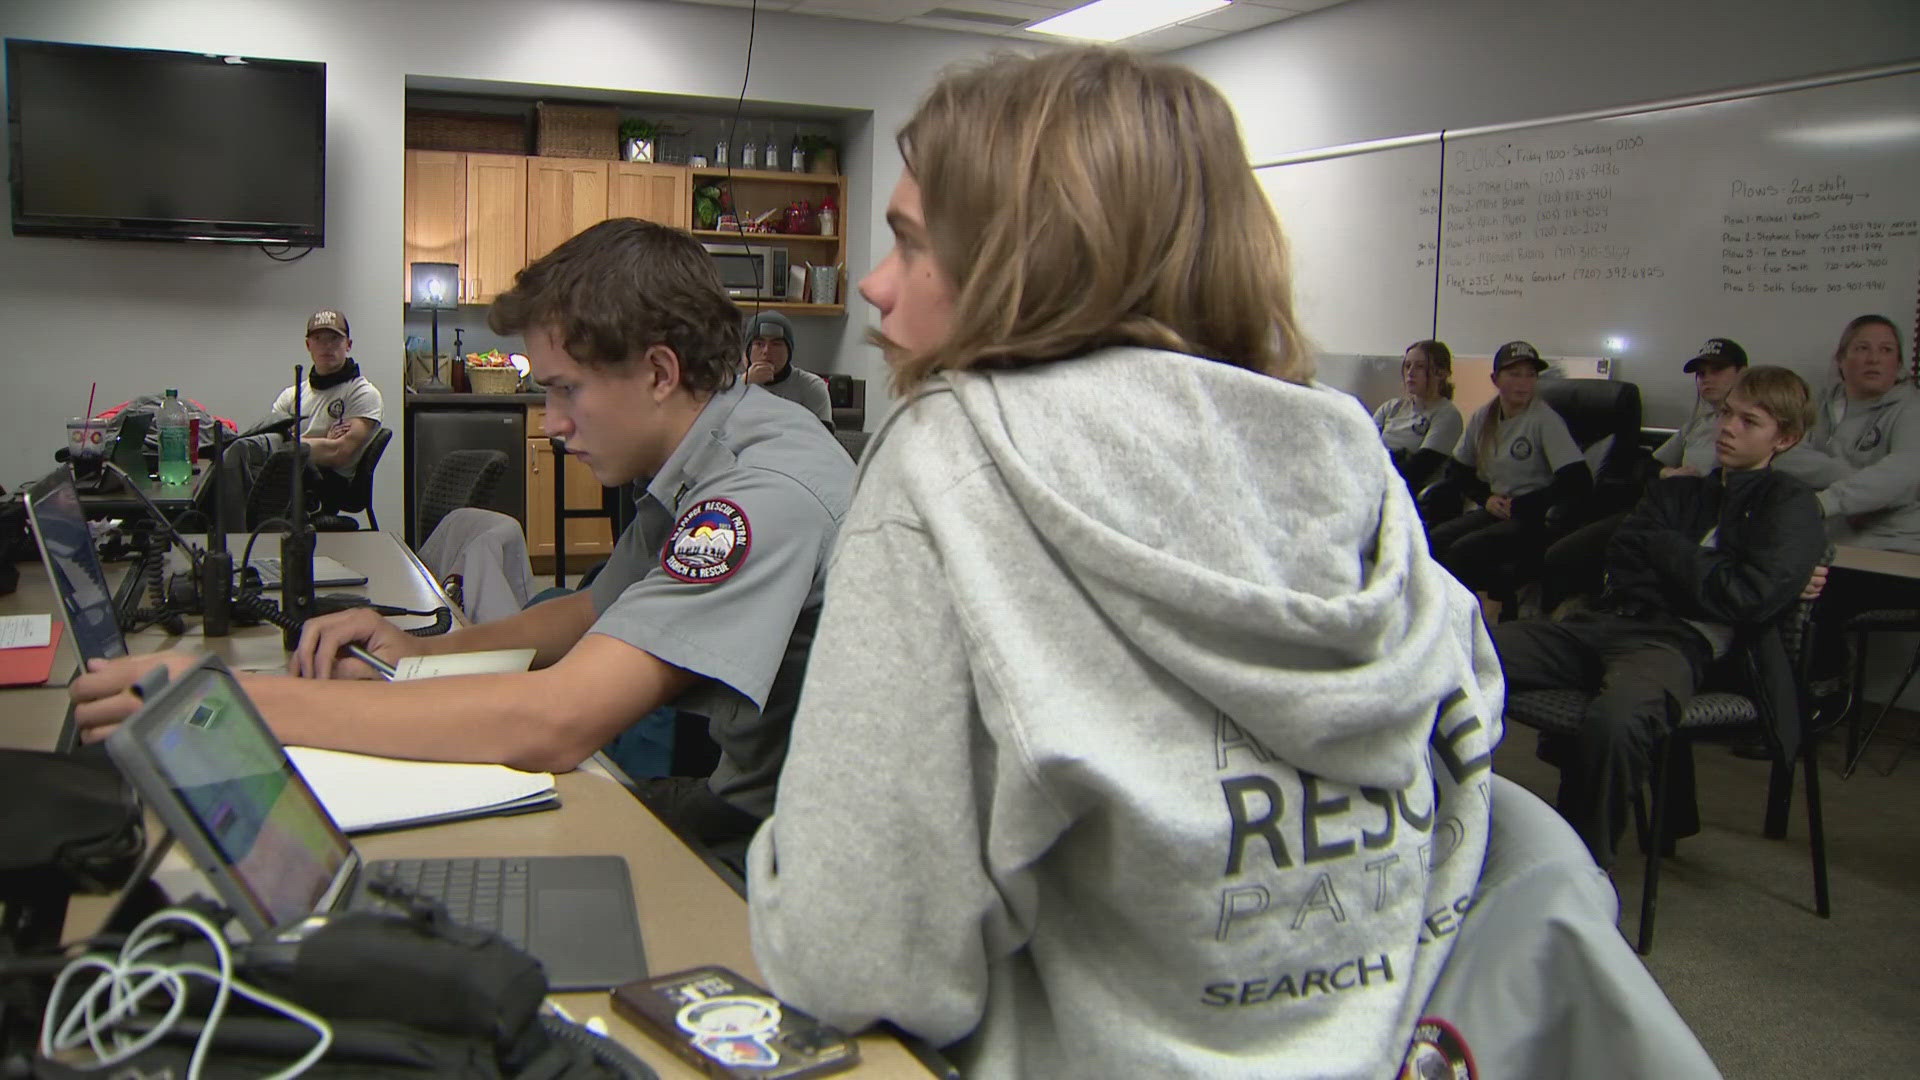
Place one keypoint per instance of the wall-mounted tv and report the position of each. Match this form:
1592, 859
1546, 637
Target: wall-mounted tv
140, 144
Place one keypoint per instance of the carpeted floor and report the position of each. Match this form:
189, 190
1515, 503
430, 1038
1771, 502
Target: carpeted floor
1771, 989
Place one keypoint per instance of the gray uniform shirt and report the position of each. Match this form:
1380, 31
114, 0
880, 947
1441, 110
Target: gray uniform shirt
1527, 448
351, 400
1692, 445
1865, 458
722, 573
1407, 428
804, 388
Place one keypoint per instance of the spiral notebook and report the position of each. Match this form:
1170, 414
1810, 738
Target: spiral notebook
368, 794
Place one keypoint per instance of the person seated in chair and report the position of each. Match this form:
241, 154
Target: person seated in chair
709, 600
1517, 461
769, 365
1574, 562
1698, 559
340, 409
1420, 427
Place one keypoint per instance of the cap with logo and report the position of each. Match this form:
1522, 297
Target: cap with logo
1717, 350
328, 319
1517, 352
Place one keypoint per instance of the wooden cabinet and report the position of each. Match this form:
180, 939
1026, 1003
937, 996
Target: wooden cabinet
585, 536
662, 193
759, 190
496, 212
436, 210
564, 196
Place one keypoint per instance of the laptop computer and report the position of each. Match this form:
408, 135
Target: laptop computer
328, 573
206, 763
66, 547
130, 446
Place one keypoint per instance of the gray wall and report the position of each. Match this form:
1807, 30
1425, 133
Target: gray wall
1370, 69
225, 324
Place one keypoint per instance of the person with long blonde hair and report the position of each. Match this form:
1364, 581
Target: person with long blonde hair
1141, 736
1420, 427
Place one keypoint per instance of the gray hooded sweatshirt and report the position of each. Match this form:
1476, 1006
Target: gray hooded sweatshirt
1865, 458
1142, 737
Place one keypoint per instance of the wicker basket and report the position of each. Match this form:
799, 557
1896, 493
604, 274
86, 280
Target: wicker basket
479, 133
578, 131
493, 380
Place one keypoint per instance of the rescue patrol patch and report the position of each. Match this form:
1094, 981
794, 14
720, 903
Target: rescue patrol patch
1869, 439
1437, 1053
708, 543
1421, 424
1522, 449
337, 408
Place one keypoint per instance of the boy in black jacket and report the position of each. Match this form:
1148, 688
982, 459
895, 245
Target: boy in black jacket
1697, 558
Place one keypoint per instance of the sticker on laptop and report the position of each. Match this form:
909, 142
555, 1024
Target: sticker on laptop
708, 543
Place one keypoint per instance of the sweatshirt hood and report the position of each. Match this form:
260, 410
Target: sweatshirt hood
1248, 535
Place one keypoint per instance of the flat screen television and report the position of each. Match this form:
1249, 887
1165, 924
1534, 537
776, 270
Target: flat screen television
140, 144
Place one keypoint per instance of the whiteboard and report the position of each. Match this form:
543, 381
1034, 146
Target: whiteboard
1363, 235
1770, 219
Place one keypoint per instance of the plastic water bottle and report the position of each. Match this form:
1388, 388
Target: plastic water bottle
175, 467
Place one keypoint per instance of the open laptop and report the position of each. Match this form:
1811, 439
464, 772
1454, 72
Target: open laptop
207, 764
66, 547
130, 446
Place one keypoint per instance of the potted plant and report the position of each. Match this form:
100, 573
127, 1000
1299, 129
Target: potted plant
636, 138
823, 155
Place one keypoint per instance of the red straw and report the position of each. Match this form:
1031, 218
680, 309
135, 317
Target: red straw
90, 393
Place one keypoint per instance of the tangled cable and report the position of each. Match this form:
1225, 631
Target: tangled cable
125, 981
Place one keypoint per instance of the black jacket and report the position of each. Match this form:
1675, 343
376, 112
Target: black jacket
1771, 536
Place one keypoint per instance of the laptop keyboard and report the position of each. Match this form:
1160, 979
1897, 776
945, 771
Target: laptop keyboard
490, 894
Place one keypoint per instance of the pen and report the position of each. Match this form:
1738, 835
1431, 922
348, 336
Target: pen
384, 669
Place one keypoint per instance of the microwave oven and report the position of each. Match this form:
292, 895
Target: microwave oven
751, 271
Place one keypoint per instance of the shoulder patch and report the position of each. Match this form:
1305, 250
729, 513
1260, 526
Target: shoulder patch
708, 543
1438, 1053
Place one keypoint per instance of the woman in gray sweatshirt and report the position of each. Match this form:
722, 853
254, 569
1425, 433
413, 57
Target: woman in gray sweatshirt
1141, 735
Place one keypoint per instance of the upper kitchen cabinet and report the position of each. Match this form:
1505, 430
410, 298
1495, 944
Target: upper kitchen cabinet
436, 209
496, 212
564, 196
661, 193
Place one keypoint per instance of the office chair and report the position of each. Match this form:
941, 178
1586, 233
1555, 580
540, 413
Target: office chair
355, 495
1711, 716
462, 478
329, 498
1597, 409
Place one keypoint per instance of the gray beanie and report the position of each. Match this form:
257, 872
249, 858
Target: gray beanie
762, 324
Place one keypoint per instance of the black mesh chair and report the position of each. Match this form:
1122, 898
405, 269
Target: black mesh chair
354, 495
461, 478
1709, 716
853, 442
330, 498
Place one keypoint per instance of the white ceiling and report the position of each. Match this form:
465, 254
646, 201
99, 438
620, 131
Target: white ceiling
941, 15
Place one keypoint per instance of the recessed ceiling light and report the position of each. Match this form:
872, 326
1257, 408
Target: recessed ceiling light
1116, 20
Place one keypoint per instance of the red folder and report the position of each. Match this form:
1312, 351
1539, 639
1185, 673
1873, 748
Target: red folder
30, 666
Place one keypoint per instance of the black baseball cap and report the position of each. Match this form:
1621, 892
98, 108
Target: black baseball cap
1717, 350
1517, 352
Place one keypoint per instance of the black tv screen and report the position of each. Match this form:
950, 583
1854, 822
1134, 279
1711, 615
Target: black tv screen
148, 145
